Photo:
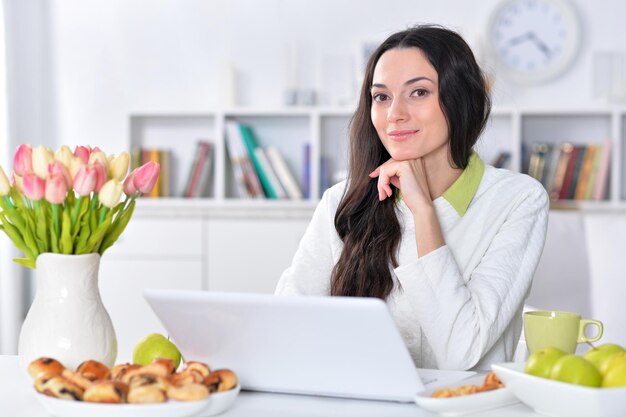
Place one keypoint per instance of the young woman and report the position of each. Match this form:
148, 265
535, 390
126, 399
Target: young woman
450, 243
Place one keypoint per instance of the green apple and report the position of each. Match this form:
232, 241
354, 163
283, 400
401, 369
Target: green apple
154, 346
598, 355
612, 361
576, 370
615, 377
540, 363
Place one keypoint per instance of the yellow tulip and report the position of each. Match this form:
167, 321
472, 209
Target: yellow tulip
110, 193
42, 157
118, 166
64, 155
5, 185
74, 166
98, 156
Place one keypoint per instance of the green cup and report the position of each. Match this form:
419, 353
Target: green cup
557, 329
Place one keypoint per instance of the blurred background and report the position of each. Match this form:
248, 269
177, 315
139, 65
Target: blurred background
158, 77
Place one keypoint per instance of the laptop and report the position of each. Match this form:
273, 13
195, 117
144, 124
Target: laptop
345, 347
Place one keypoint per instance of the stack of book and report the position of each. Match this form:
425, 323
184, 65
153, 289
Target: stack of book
571, 171
260, 172
139, 156
198, 182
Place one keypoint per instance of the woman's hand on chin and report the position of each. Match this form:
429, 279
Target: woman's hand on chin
409, 176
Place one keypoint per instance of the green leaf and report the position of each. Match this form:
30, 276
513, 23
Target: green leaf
93, 244
14, 234
83, 237
28, 234
16, 197
42, 229
117, 228
13, 215
29, 263
66, 243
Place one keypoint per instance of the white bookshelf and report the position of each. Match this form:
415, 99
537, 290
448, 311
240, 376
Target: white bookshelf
326, 130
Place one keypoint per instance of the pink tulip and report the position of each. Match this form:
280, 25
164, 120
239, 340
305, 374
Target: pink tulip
33, 187
83, 153
23, 160
129, 184
101, 175
56, 189
57, 168
146, 176
85, 180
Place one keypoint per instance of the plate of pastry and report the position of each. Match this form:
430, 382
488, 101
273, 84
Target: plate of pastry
478, 393
127, 390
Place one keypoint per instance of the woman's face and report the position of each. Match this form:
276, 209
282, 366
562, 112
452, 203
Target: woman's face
405, 106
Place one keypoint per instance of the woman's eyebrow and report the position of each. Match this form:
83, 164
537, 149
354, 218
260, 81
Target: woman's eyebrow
411, 81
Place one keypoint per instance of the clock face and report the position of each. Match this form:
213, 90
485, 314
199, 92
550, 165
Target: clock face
534, 40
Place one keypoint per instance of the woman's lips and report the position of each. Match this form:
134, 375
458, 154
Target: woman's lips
401, 135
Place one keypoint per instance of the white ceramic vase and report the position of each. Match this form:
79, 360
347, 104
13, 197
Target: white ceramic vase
67, 320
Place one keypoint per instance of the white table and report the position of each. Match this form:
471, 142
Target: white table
17, 399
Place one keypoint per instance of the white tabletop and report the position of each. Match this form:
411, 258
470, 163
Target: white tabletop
17, 399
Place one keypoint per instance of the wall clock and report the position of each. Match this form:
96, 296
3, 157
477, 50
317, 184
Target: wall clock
533, 41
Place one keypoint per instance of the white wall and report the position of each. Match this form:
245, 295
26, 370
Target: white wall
111, 57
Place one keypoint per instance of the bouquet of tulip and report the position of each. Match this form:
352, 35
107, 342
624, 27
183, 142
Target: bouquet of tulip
69, 202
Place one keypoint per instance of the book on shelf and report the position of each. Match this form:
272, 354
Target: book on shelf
502, 159
571, 171
200, 171
266, 166
561, 170
264, 176
306, 170
585, 172
283, 173
246, 181
601, 178
165, 156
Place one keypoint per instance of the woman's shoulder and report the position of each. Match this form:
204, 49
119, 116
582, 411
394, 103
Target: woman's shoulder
332, 196
499, 181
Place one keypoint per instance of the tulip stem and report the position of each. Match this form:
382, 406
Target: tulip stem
8, 200
102, 214
55, 211
76, 210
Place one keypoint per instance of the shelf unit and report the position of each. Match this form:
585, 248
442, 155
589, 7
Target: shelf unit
326, 130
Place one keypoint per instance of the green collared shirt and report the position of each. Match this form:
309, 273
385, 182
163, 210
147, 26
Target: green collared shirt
463, 190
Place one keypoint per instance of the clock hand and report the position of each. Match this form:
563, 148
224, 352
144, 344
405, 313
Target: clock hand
519, 39
540, 44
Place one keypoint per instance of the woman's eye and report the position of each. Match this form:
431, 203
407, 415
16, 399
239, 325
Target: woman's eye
420, 92
380, 97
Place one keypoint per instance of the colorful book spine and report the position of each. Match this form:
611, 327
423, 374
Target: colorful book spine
251, 144
561, 171
197, 168
600, 187
283, 173
236, 151
577, 169
569, 173
585, 172
204, 183
269, 171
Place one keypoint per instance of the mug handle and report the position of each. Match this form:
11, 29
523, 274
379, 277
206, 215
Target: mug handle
582, 338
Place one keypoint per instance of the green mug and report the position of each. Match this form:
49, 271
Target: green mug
559, 329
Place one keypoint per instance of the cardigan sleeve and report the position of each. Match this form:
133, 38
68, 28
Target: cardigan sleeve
463, 319
312, 264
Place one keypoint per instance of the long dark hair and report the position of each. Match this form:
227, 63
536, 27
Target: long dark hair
370, 229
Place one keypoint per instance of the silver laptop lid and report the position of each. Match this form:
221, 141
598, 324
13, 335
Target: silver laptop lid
332, 346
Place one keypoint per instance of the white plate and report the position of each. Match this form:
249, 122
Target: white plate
465, 404
559, 399
213, 405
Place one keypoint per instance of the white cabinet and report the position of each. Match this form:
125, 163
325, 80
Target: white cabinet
249, 254
153, 252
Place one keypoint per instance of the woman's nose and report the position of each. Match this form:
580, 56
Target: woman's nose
397, 111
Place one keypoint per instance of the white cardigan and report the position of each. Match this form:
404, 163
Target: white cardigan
459, 306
